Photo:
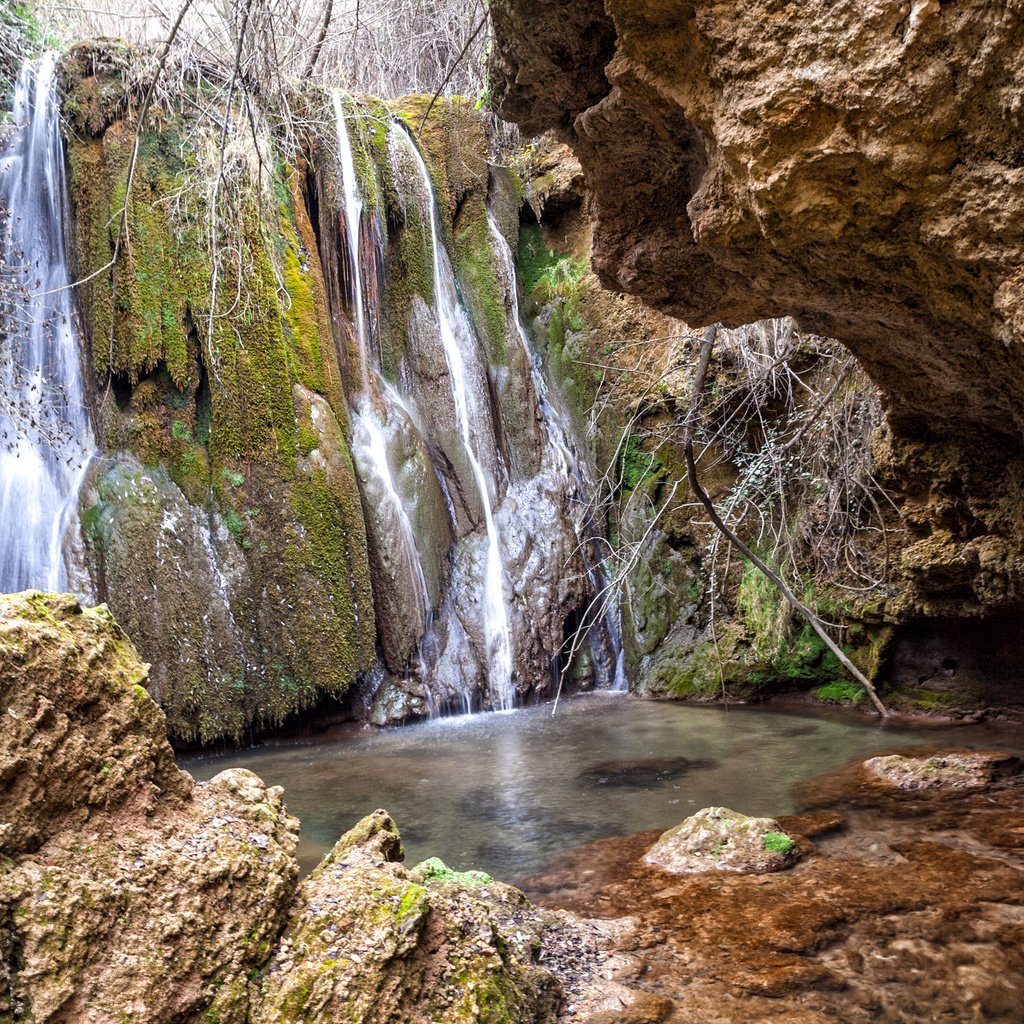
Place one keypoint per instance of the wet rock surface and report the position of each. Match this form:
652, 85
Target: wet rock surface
907, 906
944, 771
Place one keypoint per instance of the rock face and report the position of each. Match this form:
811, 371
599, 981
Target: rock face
129, 892
857, 166
224, 526
717, 839
285, 505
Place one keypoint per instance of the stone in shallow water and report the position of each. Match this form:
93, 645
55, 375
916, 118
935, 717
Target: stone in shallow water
954, 770
643, 772
718, 839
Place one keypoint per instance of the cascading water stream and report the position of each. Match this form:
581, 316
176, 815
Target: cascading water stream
558, 441
353, 226
46, 439
569, 466
449, 314
369, 443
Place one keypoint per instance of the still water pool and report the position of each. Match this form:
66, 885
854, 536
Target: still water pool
507, 792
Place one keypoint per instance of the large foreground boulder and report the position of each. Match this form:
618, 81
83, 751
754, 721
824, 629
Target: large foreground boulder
128, 892
369, 940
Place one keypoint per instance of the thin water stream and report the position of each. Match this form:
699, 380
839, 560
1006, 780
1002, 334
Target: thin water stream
46, 438
507, 792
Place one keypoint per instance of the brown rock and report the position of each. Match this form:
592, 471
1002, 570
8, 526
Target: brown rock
955, 770
129, 892
62, 668
856, 165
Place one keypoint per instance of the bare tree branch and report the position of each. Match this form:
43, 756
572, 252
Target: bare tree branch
702, 496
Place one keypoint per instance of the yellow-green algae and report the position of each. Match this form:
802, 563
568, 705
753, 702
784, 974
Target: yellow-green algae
220, 407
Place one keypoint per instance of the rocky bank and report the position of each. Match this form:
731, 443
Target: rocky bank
130, 892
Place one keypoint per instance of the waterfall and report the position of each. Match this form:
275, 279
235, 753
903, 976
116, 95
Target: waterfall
373, 421
45, 435
455, 331
607, 610
432, 436
353, 226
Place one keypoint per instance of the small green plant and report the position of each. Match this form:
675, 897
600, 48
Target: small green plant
235, 479
435, 870
840, 692
180, 431
236, 527
636, 464
777, 842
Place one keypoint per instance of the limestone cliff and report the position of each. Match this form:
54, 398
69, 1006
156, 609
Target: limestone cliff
856, 166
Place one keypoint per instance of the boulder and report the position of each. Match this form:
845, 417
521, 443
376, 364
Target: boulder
130, 892
717, 839
370, 941
953, 770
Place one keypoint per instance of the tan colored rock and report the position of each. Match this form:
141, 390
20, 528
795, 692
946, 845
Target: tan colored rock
717, 839
370, 941
954, 770
857, 165
62, 667
128, 892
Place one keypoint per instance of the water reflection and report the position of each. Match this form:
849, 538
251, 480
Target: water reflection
507, 792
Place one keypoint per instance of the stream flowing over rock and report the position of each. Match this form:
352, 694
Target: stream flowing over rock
330, 473
128, 891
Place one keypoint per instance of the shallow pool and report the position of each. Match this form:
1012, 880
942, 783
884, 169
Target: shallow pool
507, 792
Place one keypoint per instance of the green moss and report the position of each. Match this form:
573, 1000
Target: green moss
435, 870
777, 842
635, 464
236, 526
476, 266
840, 692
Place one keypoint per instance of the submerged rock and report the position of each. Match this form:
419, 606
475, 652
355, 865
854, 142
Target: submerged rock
717, 839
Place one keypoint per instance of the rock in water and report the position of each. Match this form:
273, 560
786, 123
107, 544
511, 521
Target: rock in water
717, 839
130, 892
953, 770
370, 941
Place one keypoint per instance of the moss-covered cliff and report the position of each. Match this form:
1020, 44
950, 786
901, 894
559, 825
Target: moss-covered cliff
224, 523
